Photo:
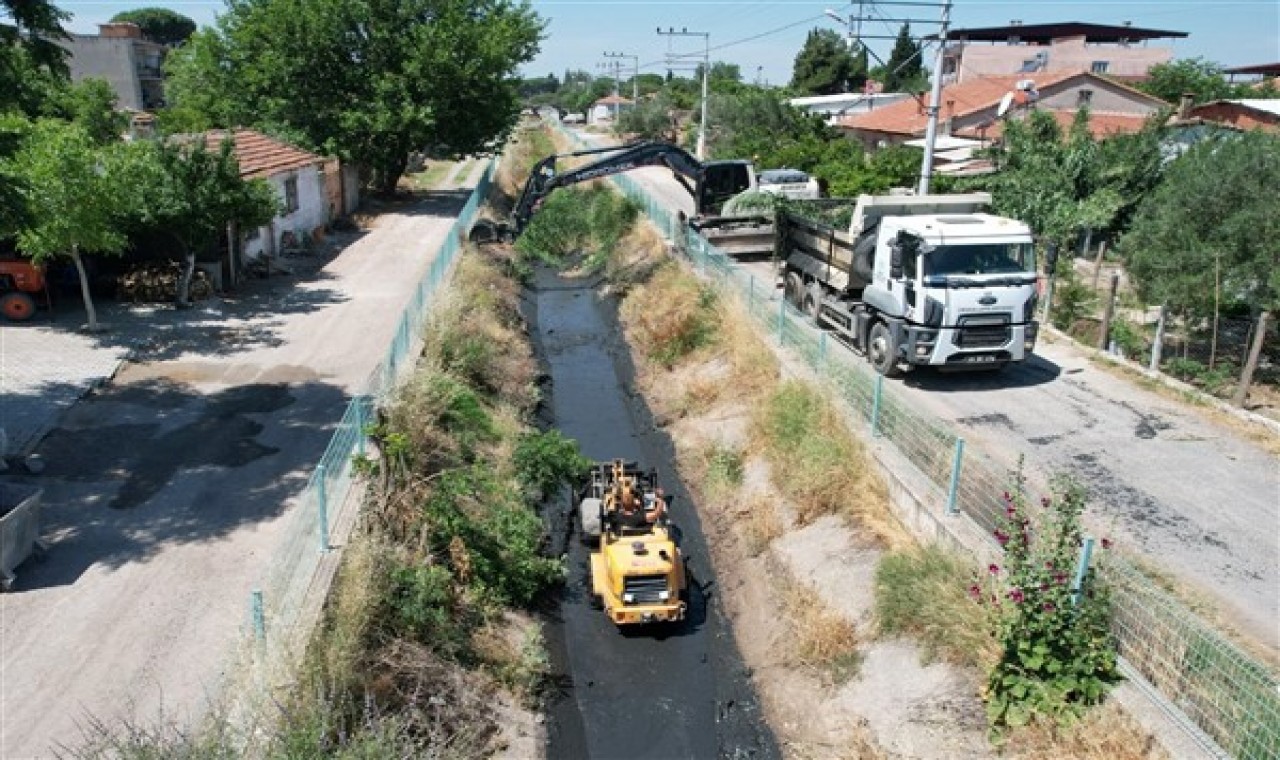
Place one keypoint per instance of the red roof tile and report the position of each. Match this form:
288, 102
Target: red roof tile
1101, 125
908, 117
261, 156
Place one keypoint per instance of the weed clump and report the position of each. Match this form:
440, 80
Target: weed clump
671, 316
921, 592
577, 220
815, 461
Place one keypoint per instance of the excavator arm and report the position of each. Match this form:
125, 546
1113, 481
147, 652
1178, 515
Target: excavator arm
544, 178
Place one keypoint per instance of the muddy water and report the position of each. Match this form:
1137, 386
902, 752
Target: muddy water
670, 692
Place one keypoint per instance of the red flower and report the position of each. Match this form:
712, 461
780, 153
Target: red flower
975, 592
1001, 537
1048, 607
993, 569
1016, 596
1106, 543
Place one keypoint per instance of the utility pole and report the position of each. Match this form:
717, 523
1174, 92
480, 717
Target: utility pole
706, 74
935, 102
635, 78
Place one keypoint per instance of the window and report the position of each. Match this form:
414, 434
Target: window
1084, 98
291, 195
1100, 67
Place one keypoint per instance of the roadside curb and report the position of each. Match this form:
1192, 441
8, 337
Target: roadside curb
1270, 425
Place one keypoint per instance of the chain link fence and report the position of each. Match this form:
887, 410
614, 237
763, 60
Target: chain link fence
285, 605
1228, 701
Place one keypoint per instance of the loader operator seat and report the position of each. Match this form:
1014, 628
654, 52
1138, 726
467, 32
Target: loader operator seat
630, 508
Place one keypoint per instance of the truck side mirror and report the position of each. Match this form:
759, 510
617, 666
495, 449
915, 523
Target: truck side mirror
904, 244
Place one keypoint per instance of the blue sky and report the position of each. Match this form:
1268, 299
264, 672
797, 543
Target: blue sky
1232, 32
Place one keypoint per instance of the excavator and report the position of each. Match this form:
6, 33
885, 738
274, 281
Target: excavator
710, 183
637, 570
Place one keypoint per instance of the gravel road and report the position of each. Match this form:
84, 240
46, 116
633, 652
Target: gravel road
1195, 497
168, 490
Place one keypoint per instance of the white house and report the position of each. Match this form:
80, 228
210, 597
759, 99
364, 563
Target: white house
313, 190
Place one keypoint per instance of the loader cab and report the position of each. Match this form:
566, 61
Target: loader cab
720, 181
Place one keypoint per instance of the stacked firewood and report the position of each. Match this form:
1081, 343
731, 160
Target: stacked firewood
158, 282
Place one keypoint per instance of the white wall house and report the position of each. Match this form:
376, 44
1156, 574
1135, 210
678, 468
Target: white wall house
310, 197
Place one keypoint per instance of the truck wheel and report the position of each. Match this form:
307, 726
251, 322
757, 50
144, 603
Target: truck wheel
794, 290
17, 307
812, 301
882, 350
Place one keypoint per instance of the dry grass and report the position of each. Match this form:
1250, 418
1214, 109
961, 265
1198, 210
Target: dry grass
755, 368
820, 638
1105, 733
818, 464
511, 648
922, 592
761, 524
670, 316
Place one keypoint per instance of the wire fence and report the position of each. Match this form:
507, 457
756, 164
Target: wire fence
285, 605
1228, 701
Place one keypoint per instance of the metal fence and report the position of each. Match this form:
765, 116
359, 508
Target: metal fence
285, 605
1228, 701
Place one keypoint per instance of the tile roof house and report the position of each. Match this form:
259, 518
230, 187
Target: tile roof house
314, 190
1243, 114
971, 108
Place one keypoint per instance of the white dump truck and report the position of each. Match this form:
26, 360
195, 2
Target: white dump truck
926, 280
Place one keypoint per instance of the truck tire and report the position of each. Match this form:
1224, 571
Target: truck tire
882, 349
812, 301
17, 306
794, 290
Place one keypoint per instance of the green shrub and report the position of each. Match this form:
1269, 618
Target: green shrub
1057, 657
546, 460
1129, 338
1073, 299
577, 220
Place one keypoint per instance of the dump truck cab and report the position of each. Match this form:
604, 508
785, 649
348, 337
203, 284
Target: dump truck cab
637, 570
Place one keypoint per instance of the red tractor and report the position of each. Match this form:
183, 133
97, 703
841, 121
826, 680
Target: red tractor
20, 283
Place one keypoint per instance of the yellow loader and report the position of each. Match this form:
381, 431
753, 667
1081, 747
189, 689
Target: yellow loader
637, 571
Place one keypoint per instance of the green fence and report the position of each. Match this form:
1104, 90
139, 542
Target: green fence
283, 606
1228, 701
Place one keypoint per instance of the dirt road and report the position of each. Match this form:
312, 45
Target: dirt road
167, 490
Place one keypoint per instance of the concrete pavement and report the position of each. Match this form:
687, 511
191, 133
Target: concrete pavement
169, 490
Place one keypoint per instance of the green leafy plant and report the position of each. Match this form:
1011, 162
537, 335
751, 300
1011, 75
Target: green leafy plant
547, 459
1129, 338
1057, 657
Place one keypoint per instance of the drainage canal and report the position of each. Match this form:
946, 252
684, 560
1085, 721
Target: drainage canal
679, 691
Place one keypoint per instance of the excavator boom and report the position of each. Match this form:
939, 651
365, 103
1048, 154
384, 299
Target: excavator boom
544, 178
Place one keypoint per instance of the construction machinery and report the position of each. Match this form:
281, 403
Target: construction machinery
20, 282
637, 570
710, 183
915, 280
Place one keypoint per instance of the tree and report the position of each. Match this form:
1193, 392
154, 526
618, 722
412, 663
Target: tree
160, 25
369, 81
1197, 77
91, 104
71, 198
905, 69
824, 66
1211, 228
193, 194
31, 61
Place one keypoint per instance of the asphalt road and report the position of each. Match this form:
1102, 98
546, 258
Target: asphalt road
1194, 497
662, 692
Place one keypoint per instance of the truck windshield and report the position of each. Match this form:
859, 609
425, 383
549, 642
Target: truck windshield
983, 258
